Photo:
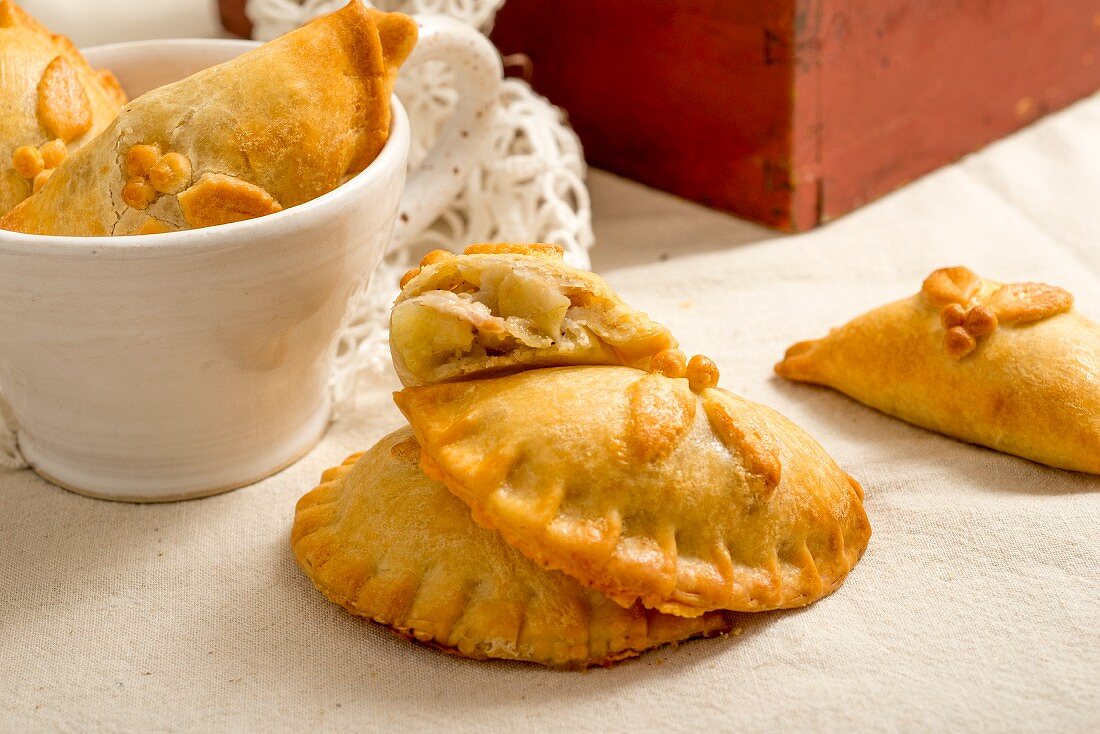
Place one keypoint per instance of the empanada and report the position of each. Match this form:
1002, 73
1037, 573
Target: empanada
646, 486
1011, 367
271, 129
503, 307
387, 543
51, 103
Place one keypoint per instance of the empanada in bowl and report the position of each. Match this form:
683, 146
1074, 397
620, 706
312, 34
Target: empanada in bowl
655, 487
51, 103
387, 543
505, 307
1012, 367
271, 129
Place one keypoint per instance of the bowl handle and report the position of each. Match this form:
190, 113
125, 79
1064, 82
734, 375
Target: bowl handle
466, 134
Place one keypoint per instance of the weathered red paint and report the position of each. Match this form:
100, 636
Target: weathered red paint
792, 112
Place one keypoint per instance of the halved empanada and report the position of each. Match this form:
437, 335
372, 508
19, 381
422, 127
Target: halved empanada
1011, 367
644, 486
387, 543
51, 103
506, 307
271, 129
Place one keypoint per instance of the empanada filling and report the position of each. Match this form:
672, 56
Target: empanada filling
495, 313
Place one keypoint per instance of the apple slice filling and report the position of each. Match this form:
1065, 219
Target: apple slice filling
494, 312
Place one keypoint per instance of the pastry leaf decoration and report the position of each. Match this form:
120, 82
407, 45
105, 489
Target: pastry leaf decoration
967, 314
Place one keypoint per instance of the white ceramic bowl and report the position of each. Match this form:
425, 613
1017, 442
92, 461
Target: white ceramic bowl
183, 364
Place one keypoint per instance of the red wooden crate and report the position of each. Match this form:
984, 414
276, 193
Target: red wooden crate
793, 112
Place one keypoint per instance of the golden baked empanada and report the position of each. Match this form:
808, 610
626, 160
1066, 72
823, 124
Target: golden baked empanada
387, 543
51, 103
504, 307
273, 128
1011, 367
645, 486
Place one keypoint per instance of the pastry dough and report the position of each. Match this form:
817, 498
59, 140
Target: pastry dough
387, 543
505, 307
273, 128
51, 103
646, 486
1011, 367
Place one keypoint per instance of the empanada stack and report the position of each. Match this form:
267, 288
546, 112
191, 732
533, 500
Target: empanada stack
570, 490
385, 542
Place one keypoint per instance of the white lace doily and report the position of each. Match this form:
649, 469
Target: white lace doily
529, 189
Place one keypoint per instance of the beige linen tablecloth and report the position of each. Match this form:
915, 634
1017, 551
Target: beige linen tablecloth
974, 609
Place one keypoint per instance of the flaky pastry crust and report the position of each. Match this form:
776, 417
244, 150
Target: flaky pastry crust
1011, 367
273, 128
505, 307
653, 487
387, 543
51, 103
